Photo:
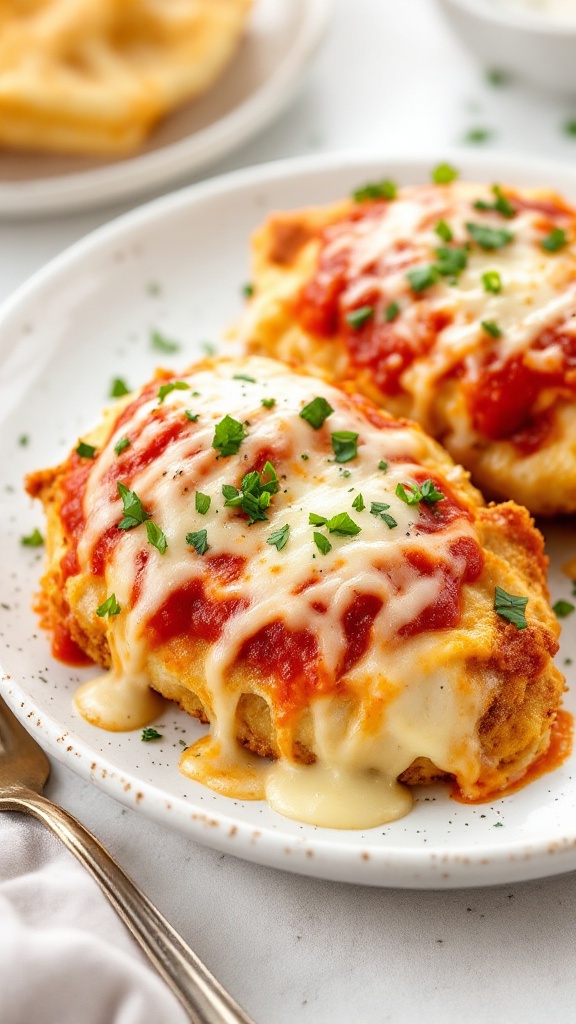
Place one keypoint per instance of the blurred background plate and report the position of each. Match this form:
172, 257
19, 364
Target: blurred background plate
280, 40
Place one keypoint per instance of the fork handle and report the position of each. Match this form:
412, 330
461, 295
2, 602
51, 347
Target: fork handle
201, 995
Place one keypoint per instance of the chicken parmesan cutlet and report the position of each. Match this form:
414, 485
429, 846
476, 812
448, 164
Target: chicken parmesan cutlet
313, 578
452, 303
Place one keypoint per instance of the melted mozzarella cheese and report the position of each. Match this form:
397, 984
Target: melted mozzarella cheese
538, 288
416, 709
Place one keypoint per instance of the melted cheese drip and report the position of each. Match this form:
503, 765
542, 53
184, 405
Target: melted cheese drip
418, 712
538, 289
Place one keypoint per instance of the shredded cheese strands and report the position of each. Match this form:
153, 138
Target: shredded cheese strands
374, 562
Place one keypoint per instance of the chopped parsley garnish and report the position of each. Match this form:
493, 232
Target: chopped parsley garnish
33, 540
443, 174
497, 77
344, 445
421, 278
85, 451
162, 344
202, 502
304, 457
268, 403
413, 494
156, 537
491, 328
555, 241
489, 238
375, 190
316, 412
279, 538
322, 543
198, 541
379, 508
492, 282
358, 317
192, 416
358, 503
444, 231
208, 347
500, 205
134, 514
150, 734
120, 445
23, 440
118, 388
510, 607
383, 465
570, 126
341, 524
174, 385
228, 436
451, 262
391, 312
477, 135
562, 609
244, 376
247, 291
109, 607
255, 494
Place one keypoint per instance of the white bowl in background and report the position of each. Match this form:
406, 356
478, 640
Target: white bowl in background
536, 47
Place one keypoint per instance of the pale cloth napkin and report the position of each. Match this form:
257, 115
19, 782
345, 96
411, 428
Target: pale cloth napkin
65, 956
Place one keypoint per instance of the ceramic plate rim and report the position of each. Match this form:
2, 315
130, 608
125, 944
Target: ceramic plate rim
323, 856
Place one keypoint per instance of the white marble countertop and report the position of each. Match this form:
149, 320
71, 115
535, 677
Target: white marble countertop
390, 77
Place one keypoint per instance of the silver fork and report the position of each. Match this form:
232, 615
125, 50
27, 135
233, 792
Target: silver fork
24, 769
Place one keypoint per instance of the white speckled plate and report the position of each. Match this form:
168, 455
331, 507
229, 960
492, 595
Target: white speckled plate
280, 39
178, 265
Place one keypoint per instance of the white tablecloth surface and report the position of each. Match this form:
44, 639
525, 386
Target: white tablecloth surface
292, 949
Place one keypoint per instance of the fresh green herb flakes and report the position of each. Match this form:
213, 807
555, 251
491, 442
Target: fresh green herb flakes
279, 538
198, 541
255, 494
358, 317
192, 416
444, 174
228, 436
156, 537
421, 278
476, 136
120, 445
358, 503
510, 607
33, 540
247, 291
444, 231
109, 607
322, 543
413, 494
556, 240
491, 328
451, 262
391, 312
500, 205
167, 389
244, 376
344, 445
375, 190
268, 403
383, 465
562, 609
134, 513
118, 388
162, 344
488, 238
492, 282
202, 502
149, 734
85, 451
316, 412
